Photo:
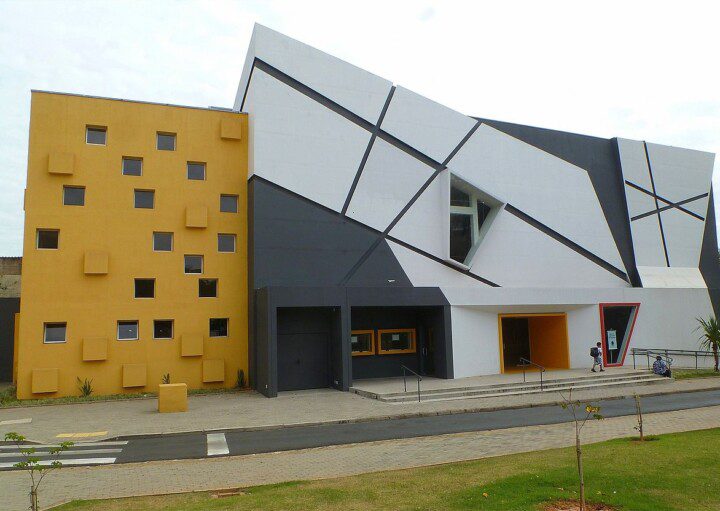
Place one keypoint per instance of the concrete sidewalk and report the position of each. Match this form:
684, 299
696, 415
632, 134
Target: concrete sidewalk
99, 420
111, 481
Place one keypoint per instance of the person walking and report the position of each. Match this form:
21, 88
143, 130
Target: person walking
596, 354
661, 368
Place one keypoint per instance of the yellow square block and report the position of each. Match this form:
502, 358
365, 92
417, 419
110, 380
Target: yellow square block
196, 217
94, 348
96, 263
213, 370
61, 163
191, 345
172, 397
134, 375
230, 129
44, 381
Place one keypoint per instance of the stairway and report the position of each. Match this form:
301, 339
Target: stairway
515, 388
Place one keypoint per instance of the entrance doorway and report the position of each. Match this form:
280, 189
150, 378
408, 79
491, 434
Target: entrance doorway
541, 338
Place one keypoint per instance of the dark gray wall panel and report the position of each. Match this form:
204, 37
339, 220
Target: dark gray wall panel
8, 308
709, 261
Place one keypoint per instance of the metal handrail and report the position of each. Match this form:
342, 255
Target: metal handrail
524, 362
665, 353
417, 376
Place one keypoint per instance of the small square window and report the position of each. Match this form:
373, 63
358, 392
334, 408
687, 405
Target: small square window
196, 171
132, 166
74, 195
145, 199
55, 333
166, 141
229, 203
226, 243
193, 264
96, 135
207, 288
48, 238
163, 329
127, 331
218, 327
144, 288
162, 241
362, 342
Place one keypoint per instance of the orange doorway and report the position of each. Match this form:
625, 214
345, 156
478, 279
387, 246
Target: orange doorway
542, 338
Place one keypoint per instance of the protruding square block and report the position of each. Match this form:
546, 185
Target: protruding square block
191, 345
94, 348
213, 370
61, 163
196, 217
134, 375
96, 263
44, 381
172, 397
231, 129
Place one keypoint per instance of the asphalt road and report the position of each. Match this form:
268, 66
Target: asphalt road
234, 442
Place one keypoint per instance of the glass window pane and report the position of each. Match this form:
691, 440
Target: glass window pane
460, 236
55, 332
96, 135
459, 198
163, 329
196, 171
226, 243
193, 264
127, 330
218, 327
397, 341
162, 241
144, 288
229, 203
144, 199
166, 141
207, 288
132, 166
361, 342
48, 238
483, 212
73, 195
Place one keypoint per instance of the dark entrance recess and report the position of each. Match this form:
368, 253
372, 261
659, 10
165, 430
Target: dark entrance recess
616, 325
516, 341
304, 347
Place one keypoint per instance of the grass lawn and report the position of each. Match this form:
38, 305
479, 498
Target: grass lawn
674, 472
684, 374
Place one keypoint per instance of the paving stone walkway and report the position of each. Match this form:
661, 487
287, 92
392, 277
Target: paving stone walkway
337, 461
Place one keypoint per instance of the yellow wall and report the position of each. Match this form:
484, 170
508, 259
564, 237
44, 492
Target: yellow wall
549, 341
55, 286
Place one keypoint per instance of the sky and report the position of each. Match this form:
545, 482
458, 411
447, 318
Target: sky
633, 69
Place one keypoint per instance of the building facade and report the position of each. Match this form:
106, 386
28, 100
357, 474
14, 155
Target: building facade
375, 230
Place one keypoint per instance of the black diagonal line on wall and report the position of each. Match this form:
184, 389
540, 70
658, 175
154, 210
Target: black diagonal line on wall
567, 242
670, 204
657, 204
675, 206
367, 152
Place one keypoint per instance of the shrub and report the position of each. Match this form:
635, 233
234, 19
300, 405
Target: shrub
85, 387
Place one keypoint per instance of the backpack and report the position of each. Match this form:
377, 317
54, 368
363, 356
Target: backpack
594, 351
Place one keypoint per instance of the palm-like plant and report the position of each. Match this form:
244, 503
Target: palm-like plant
710, 338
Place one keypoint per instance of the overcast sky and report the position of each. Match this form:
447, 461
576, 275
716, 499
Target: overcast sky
642, 70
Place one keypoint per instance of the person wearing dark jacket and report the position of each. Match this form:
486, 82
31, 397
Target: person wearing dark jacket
596, 354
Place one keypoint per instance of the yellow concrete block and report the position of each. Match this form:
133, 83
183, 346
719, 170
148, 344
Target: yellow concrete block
172, 397
191, 345
231, 129
134, 375
61, 163
196, 217
94, 348
44, 381
96, 263
213, 370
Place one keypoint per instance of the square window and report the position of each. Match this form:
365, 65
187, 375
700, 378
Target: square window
229, 203
218, 327
196, 171
166, 141
163, 329
96, 135
127, 331
48, 238
207, 288
193, 264
144, 288
162, 241
362, 342
226, 243
132, 166
55, 332
74, 195
145, 199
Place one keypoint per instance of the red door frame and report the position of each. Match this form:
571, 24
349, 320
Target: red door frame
602, 329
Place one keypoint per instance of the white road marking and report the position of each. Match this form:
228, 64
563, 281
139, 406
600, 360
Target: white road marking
73, 461
15, 421
78, 444
63, 453
217, 444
